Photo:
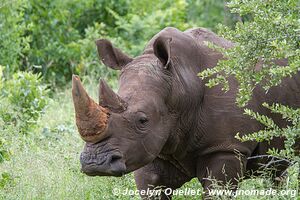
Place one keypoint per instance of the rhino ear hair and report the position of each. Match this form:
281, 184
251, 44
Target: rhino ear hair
110, 56
162, 50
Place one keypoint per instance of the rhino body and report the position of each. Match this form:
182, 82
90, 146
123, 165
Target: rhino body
165, 124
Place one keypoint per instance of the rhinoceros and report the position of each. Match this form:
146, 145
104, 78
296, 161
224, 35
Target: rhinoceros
164, 123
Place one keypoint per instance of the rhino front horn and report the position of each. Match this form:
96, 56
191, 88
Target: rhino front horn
91, 119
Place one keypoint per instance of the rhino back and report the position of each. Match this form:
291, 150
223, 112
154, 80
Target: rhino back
202, 34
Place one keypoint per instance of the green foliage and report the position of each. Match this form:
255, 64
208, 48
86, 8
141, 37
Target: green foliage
88, 63
56, 38
27, 96
291, 133
144, 20
209, 13
86, 13
4, 152
51, 30
274, 33
7, 129
23, 100
44, 36
13, 43
5, 178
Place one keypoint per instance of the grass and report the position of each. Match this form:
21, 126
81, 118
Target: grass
45, 163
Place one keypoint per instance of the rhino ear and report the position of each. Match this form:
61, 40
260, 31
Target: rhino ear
162, 50
111, 57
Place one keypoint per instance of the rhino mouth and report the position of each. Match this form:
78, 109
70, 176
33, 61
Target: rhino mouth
107, 164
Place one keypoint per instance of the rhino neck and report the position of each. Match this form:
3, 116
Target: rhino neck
187, 127
185, 100
180, 147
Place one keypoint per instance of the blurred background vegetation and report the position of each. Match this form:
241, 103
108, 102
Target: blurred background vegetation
56, 38
44, 42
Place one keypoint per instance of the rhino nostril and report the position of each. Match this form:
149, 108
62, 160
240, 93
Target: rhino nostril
115, 158
117, 165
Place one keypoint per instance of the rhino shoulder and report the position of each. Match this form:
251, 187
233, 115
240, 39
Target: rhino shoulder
202, 34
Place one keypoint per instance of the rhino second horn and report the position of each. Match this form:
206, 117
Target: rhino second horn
91, 119
109, 99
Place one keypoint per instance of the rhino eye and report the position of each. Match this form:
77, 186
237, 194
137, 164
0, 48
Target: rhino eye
143, 120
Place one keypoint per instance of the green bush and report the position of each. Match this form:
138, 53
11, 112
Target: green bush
51, 30
56, 38
144, 20
291, 132
84, 51
59, 32
5, 178
273, 33
4, 149
13, 43
23, 99
210, 13
27, 96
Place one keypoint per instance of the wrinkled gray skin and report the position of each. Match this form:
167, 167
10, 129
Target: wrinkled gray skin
174, 128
